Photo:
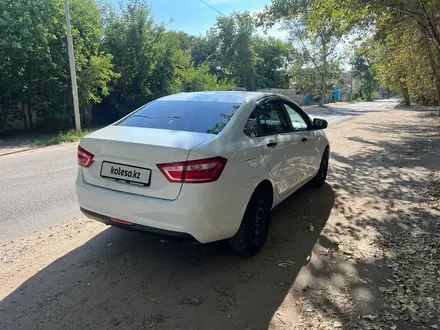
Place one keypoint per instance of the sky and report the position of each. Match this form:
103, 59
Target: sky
195, 18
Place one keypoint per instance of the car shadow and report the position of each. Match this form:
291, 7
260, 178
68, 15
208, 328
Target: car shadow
128, 280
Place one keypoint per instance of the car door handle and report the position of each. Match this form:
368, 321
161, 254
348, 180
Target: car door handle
304, 139
272, 144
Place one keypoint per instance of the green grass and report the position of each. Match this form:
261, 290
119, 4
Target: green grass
61, 137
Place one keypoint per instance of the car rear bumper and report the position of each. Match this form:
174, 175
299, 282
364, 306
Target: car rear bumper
166, 234
206, 212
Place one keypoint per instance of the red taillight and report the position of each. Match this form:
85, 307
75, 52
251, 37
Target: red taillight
128, 223
85, 158
194, 171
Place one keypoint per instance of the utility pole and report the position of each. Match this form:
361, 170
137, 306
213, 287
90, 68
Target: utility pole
72, 69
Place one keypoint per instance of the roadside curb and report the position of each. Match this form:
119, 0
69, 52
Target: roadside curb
15, 150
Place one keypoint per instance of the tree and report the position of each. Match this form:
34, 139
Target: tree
306, 79
204, 49
425, 13
232, 49
402, 63
235, 51
27, 61
169, 73
200, 79
151, 61
273, 59
93, 65
422, 16
363, 69
313, 27
319, 50
133, 39
35, 69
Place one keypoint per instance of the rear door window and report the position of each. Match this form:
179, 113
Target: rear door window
189, 116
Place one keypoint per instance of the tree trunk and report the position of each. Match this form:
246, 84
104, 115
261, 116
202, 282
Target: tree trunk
370, 91
431, 25
370, 88
31, 121
25, 114
82, 115
436, 77
3, 118
405, 93
29, 114
435, 69
324, 85
351, 83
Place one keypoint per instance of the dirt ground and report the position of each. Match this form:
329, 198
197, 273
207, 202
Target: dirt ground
363, 252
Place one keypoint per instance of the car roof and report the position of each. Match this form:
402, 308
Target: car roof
224, 97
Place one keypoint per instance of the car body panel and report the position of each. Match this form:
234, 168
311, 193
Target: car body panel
207, 211
126, 145
278, 158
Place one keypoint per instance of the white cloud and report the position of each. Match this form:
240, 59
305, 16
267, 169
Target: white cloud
278, 31
259, 11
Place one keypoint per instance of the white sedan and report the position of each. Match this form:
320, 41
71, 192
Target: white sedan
202, 166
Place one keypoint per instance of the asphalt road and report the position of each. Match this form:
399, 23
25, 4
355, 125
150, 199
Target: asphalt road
37, 190
347, 111
37, 186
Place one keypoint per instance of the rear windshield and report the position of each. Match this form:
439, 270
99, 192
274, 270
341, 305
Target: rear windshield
190, 116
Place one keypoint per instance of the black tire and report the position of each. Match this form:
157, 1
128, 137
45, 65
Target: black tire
254, 227
319, 179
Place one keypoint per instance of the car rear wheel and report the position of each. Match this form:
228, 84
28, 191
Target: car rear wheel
319, 179
254, 227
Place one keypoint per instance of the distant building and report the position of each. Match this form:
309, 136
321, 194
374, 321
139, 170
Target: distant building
346, 79
347, 85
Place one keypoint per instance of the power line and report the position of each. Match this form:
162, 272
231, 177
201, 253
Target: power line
212, 8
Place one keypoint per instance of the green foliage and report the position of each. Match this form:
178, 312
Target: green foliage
403, 65
235, 51
406, 44
34, 66
123, 59
131, 36
363, 69
95, 79
169, 73
273, 59
306, 79
204, 50
319, 14
232, 49
62, 137
315, 28
151, 61
200, 79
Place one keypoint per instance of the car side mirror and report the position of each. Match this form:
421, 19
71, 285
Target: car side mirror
319, 123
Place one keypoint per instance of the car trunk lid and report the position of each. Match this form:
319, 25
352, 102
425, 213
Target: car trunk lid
126, 158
